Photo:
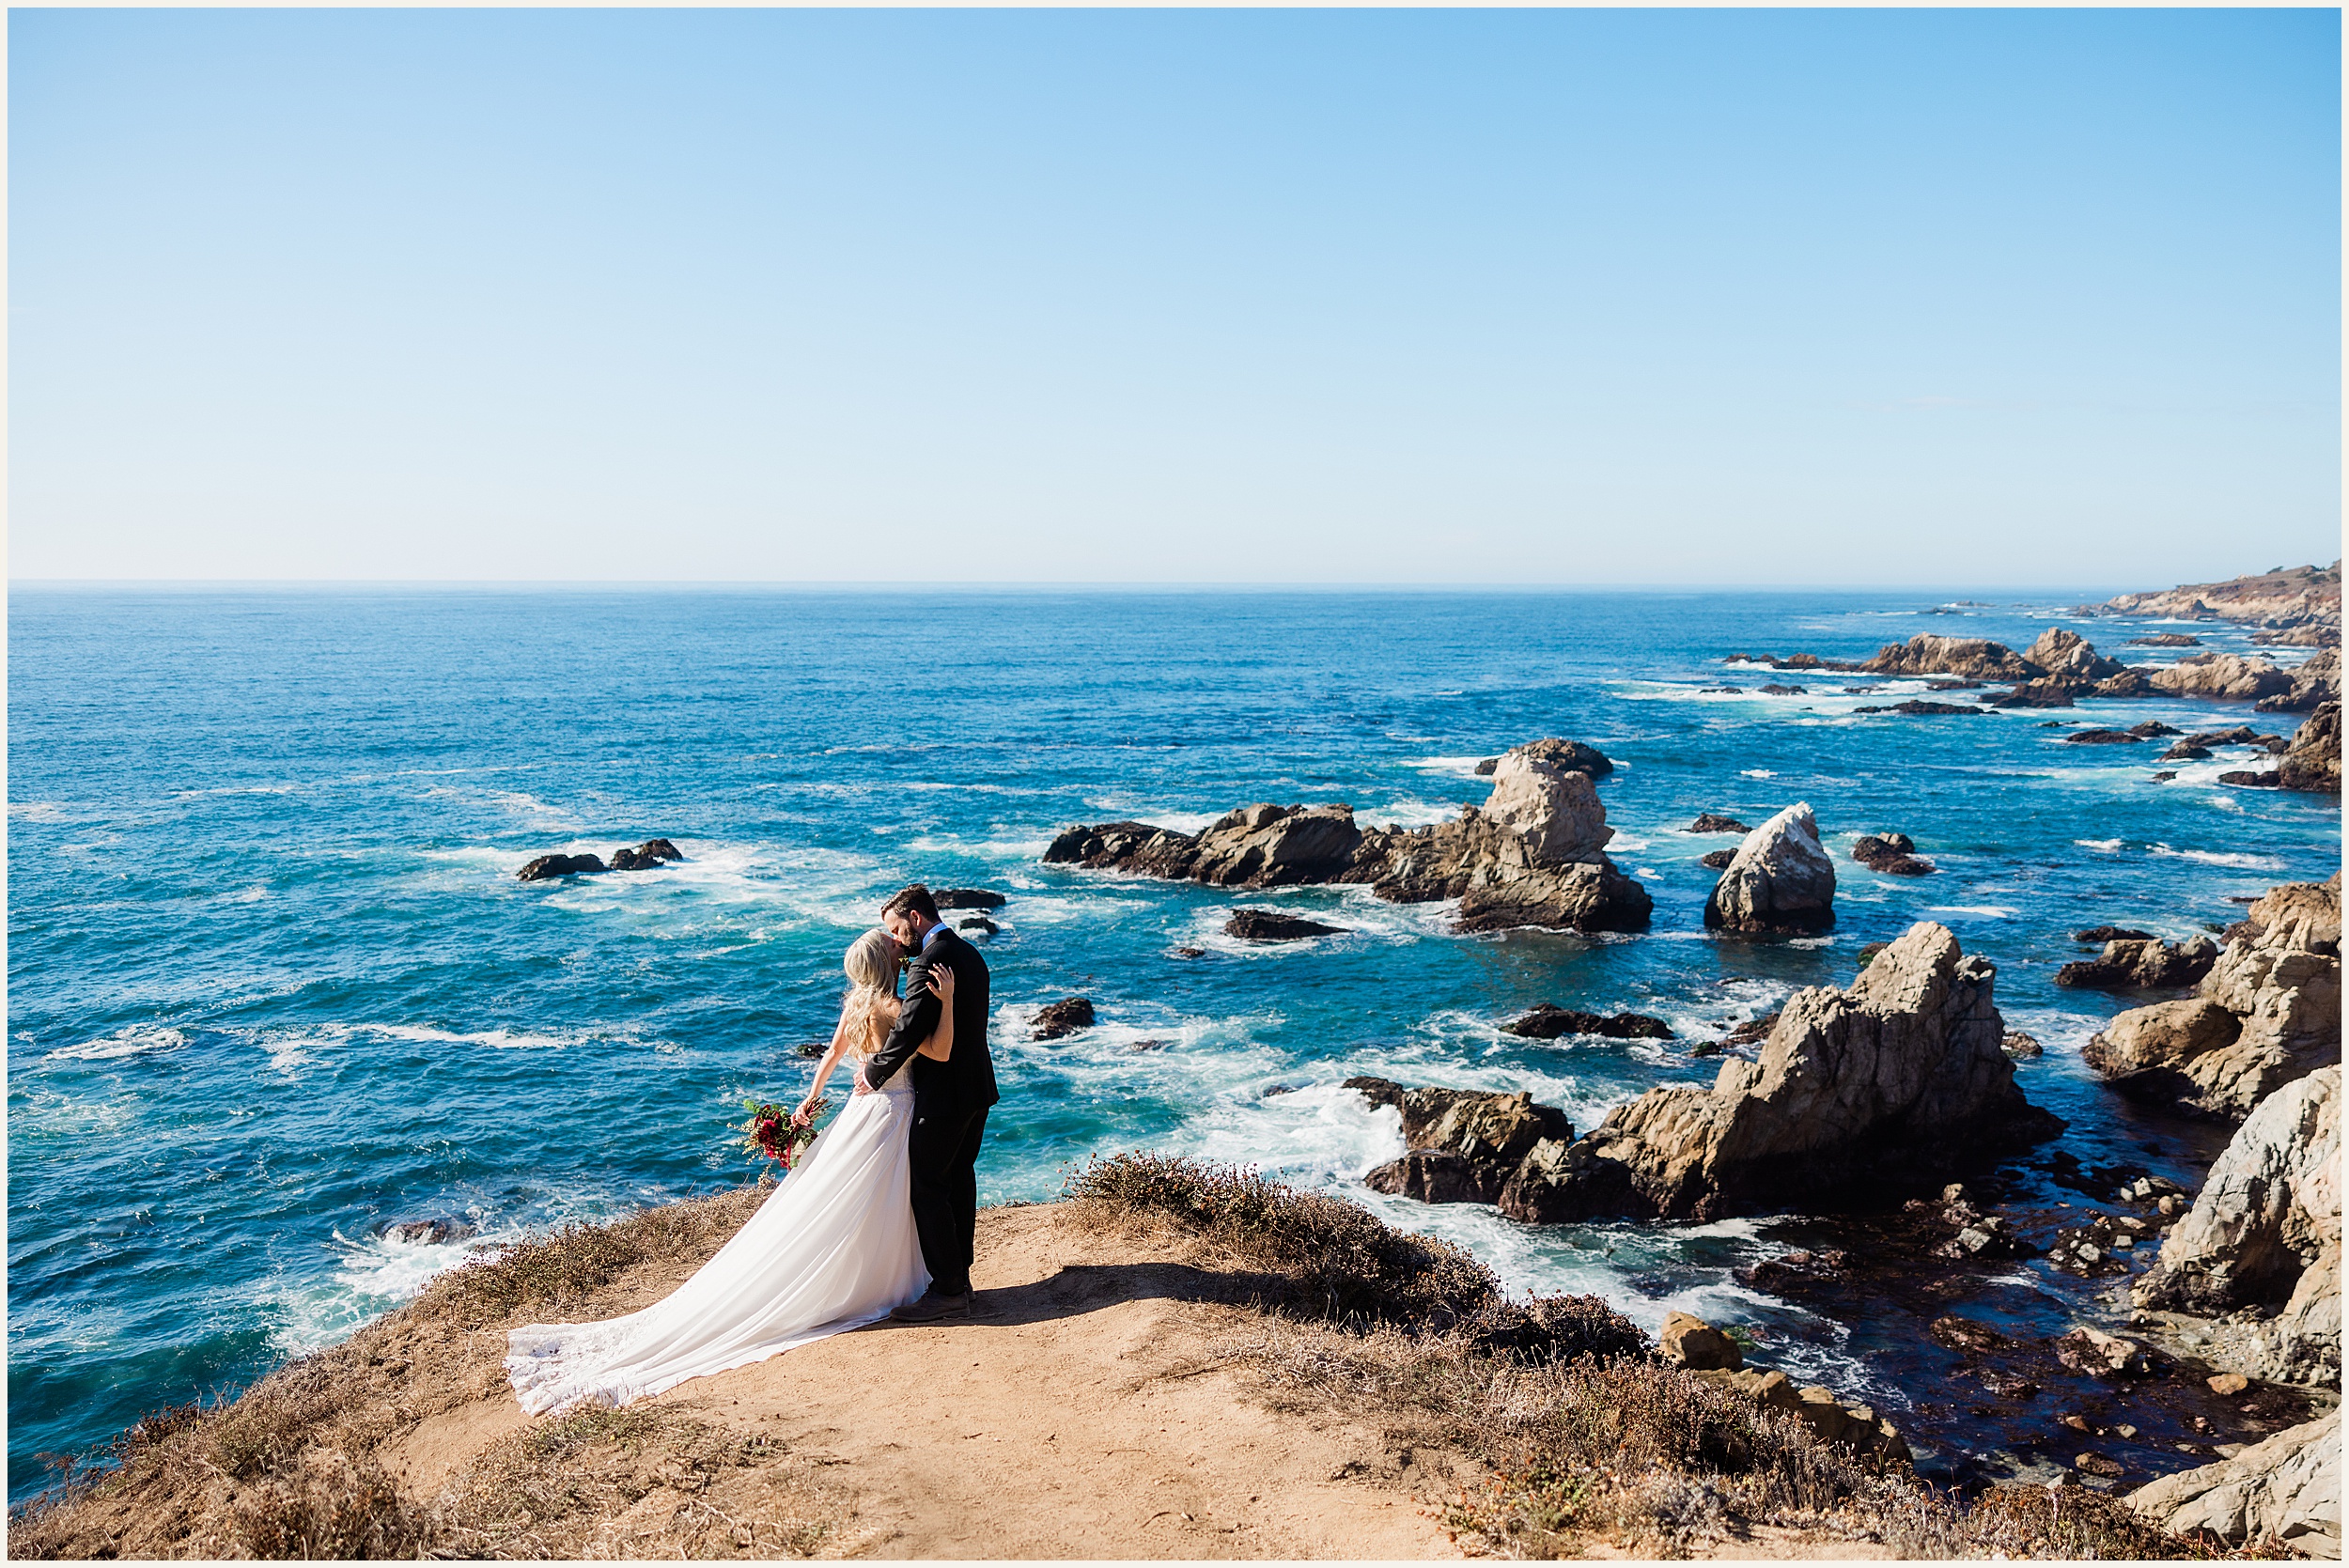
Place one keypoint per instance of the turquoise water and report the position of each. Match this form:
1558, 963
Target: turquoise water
272, 982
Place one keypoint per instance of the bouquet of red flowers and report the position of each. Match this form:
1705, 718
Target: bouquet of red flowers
771, 1133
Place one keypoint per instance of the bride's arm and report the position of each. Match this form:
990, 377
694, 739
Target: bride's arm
941, 1044
833, 1053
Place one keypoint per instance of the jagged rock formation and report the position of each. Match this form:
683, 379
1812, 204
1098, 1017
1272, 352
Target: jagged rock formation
2221, 677
967, 899
2282, 597
1967, 657
2143, 964
1897, 1077
1462, 1145
1713, 822
2314, 682
1780, 880
2285, 1488
2268, 1012
1533, 855
2068, 656
2266, 1229
643, 857
2313, 761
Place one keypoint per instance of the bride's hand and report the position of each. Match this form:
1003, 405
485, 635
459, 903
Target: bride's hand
943, 984
805, 1114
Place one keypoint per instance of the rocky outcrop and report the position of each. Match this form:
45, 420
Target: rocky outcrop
1969, 658
2036, 693
1533, 855
1065, 1017
1270, 925
2267, 1014
2168, 640
2313, 634
1717, 859
967, 899
2265, 1229
2284, 1489
2283, 597
1263, 845
2067, 656
643, 857
1895, 1078
2221, 677
1893, 854
1462, 1145
1711, 822
2142, 965
1780, 880
1567, 757
2313, 761
1548, 1023
2315, 682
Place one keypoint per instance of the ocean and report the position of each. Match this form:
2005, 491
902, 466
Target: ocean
273, 984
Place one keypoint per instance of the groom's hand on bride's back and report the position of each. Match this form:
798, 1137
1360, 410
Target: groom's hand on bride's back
862, 1087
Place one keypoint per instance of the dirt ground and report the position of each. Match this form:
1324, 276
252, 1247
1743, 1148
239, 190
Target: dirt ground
1079, 1414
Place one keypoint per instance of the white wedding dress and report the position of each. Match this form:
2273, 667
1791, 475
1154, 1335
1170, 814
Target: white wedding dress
834, 1249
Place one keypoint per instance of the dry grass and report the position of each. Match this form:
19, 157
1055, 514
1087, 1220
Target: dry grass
293, 1468
1583, 1435
600, 1483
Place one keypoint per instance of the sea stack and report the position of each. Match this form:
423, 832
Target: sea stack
1781, 881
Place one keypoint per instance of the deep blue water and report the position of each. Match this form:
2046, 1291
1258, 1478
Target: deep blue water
273, 982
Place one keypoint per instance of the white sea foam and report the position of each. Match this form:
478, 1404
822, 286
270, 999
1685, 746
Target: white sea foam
2221, 856
128, 1041
1462, 767
2107, 844
37, 811
1408, 811
1992, 911
1756, 773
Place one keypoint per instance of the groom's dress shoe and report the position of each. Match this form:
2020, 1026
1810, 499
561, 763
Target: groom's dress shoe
933, 1305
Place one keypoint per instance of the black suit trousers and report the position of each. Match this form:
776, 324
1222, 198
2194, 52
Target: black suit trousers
943, 1149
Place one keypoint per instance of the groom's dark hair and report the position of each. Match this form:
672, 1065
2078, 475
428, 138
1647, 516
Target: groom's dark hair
916, 899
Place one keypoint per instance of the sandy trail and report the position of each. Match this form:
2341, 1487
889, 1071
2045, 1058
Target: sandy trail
1080, 1413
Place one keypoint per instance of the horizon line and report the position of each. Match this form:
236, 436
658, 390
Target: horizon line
1043, 585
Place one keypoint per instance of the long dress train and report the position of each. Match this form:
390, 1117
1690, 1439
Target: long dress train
834, 1249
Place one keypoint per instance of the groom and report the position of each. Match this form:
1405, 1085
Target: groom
950, 1099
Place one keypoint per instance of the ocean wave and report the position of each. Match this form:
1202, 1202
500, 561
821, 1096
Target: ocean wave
2107, 844
2236, 859
130, 1040
1991, 912
1756, 773
37, 811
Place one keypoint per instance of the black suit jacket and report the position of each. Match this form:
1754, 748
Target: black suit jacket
966, 1080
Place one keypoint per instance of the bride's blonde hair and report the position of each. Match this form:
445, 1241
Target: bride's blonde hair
871, 965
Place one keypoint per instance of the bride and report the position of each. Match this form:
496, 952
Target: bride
834, 1249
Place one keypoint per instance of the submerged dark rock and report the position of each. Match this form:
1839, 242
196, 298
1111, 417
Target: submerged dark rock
1919, 707
547, 867
1893, 854
1709, 822
1062, 1017
1270, 925
1548, 1022
967, 899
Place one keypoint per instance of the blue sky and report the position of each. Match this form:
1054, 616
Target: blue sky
1728, 297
